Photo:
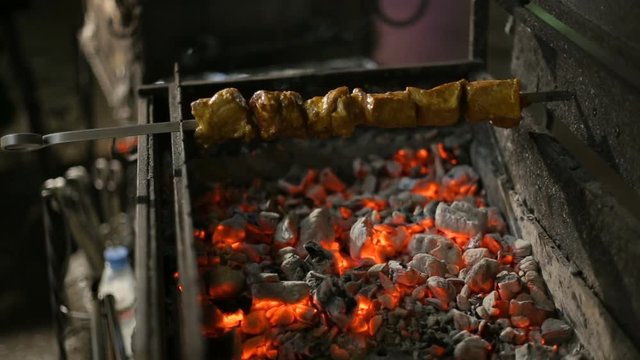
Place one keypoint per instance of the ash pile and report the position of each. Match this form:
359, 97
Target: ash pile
405, 261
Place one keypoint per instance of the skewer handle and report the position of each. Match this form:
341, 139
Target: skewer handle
30, 141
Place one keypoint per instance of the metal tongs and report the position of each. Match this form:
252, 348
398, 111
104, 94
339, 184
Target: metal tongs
31, 141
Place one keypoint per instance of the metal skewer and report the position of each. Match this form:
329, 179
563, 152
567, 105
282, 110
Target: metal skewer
31, 141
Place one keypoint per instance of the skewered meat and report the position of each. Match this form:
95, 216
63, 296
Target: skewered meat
337, 113
347, 114
278, 114
283, 114
388, 110
497, 101
439, 106
223, 117
318, 123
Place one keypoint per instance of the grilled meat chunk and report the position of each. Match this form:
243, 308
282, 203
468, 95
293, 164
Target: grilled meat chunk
294, 121
223, 117
497, 101
278, 114
388, 110
318, 123
439, 106
347, 112
337, 113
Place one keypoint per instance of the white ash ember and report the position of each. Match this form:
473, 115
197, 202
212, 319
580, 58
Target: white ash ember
405, 261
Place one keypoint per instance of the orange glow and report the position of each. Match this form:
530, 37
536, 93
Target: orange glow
444, 155
374, 204
267, 324
423, 155
361, 314
427, 223
492, 244
437, 351
396, 294
460, 239
258, 347
410, 160
126, 145
227, 235
230, 320
381, 246
506, 259
199, 234
217, 194
282, 314
428, 189
224, 290
343, 262
345, 212
247, 208
415, 228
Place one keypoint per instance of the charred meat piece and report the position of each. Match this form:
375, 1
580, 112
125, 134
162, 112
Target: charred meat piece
388, 110
497, 101
318, 123
439, 106
278, 114
223, 117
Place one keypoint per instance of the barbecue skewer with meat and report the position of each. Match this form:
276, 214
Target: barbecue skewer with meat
283, 114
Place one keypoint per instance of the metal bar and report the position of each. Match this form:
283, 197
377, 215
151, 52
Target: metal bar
192, 346
478, 31
545, 96
47, 208
113, 328
30, 141
110, 132
383, 76
143, 339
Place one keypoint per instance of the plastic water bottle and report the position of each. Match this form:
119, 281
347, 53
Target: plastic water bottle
118, 280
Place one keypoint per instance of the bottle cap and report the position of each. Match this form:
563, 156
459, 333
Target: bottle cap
117, 257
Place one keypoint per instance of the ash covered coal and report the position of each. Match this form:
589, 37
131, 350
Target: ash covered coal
405, 259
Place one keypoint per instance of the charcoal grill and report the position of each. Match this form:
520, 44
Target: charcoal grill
584, 237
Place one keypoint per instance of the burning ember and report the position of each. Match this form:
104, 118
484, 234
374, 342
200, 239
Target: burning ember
404, 258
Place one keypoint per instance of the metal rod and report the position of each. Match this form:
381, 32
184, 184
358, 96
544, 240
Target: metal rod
28, 141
